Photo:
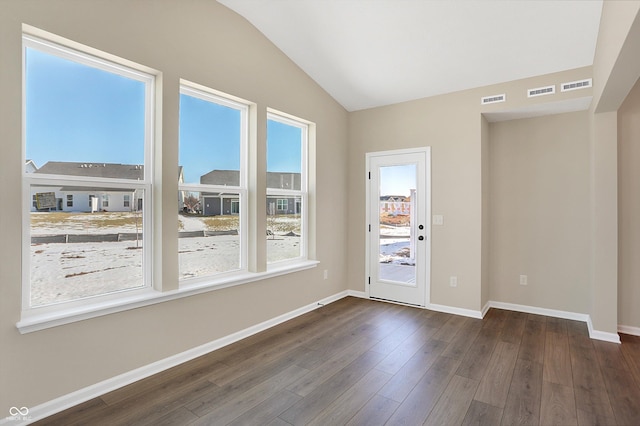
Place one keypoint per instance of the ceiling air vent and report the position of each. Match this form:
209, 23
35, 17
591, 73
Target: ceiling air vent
575, 85
494, 99
541, 91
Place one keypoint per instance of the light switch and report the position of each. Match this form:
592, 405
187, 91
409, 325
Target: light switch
438, 219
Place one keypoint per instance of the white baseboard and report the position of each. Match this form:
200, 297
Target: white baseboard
456, 311
354, 293
627, 329
486, 308
594, 334
539, 311
82, 395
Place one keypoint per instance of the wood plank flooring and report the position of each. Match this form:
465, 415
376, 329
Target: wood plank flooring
360, 362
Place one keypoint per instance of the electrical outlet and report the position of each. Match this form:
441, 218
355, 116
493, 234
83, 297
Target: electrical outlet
326, 274
523, 280
453, 281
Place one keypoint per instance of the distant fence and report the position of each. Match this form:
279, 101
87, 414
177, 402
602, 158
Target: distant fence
124, 236
395, 207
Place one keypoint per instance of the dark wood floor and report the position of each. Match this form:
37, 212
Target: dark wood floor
360, 362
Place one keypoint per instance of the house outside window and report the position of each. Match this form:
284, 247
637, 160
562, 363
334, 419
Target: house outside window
287, 168
213, 144
102, 153
126, 202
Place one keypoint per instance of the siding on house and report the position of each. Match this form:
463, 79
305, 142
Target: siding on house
77, 198
212, 204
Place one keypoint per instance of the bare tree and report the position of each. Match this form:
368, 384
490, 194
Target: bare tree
191, 202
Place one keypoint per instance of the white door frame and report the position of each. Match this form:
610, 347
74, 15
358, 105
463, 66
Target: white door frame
427, 218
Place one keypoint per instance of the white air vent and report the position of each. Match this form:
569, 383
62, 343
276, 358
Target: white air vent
494, 99
541, 91
575, 85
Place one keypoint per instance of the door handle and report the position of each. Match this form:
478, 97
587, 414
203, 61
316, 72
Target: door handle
421, 238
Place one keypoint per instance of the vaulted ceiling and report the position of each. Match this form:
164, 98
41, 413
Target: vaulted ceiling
368, 53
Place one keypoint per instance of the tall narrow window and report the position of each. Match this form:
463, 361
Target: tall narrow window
287, 192
87, 131
212, 194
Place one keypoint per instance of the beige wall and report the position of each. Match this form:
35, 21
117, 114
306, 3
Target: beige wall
539, 208
455, 171
453, 126
206, 43
629, 209
616, 68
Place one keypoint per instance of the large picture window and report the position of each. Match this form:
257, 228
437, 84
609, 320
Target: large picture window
88, 142
287, 188
89, 224
213, 184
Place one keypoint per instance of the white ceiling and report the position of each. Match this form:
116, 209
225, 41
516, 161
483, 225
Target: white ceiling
368, 53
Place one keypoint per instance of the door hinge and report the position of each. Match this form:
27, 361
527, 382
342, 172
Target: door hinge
369, 228
369, 175
369, 280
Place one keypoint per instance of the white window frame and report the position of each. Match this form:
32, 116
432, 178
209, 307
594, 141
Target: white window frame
43, 317
214, 96
82, 56
126, 200
303, 193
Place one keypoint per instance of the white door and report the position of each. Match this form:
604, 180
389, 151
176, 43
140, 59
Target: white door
398, 232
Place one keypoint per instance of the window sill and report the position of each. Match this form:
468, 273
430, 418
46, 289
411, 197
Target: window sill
36, 322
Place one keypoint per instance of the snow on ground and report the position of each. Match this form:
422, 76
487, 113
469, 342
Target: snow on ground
190, 223
63, 272
395, 231
395, 250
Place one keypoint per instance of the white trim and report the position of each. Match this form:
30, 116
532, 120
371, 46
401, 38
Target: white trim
82, 395
594, 334
485, 308
628, 329
54, 319
355, 293
454, 310
539, 311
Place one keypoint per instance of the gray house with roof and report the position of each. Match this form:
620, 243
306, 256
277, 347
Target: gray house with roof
214, 204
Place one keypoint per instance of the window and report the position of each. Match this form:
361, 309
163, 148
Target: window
282, 205
287, 145
126, 202
213, 194
87, 131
